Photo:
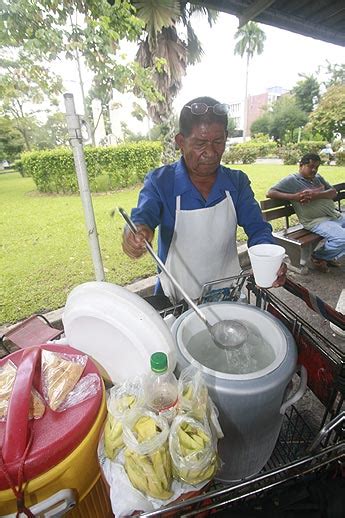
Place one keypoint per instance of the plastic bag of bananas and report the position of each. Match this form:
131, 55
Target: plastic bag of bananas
121, 399
193, 450
147, 460
192, 393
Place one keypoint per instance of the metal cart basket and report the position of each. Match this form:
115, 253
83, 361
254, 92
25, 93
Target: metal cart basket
311, 442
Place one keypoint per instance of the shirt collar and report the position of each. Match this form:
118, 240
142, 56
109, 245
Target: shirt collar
183, 183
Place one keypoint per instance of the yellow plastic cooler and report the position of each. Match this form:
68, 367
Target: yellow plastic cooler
60, 466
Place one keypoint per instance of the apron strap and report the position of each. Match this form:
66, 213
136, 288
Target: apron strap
178, 200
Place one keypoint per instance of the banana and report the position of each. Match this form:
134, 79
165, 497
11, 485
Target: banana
125, 403
112, 437
188, 392
162, 467
135, 474
145, 428
195, 404
148, 475
193, 445
187, 441
113, 441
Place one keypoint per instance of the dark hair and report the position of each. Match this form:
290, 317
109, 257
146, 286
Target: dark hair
308, 157
187, 120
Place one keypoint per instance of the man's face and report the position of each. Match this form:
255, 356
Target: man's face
203, 148
309, 170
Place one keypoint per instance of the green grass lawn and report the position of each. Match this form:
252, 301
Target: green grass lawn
45, 250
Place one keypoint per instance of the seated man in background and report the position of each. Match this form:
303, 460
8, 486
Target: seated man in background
327, 153
312, 198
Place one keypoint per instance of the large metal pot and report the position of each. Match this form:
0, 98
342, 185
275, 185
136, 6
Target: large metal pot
251, 406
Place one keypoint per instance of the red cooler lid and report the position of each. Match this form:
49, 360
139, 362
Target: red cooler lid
56, 434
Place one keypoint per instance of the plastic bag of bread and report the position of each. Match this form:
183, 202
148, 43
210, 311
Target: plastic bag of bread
8, 373
60, 373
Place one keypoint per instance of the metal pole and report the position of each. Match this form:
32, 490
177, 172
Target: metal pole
76, 141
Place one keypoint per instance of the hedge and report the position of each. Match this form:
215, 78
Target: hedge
124, 165
292, 152
248, 152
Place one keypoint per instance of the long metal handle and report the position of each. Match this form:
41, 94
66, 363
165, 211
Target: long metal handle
336, 421
149, 248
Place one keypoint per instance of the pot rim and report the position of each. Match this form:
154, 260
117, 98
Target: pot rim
268, 318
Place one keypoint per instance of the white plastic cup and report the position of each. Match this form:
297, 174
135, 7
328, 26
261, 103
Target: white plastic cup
266, 260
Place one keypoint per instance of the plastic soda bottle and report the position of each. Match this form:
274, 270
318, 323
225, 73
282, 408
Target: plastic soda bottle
160, 387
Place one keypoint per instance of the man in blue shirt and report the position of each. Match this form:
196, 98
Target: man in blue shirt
197, 205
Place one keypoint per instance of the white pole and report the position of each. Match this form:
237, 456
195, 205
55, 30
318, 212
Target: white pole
76, 141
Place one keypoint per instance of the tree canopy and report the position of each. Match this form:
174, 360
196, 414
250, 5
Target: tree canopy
11, 140
282, 120
329, 116
27, 88
306, 92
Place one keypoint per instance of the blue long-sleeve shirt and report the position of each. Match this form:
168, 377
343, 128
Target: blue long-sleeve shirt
157, 202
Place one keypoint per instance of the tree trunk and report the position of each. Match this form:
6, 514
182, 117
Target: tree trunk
245, 110
26, 138
168, 130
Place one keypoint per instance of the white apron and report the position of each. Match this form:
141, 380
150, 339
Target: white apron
203, 248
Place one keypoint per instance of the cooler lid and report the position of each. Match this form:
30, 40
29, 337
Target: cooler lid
56, 434
117, 328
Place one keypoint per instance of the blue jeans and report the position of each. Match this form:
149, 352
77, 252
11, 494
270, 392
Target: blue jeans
334, 234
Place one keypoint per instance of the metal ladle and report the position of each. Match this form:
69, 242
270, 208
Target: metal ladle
226, 333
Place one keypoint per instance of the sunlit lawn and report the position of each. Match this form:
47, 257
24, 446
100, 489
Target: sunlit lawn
44, 246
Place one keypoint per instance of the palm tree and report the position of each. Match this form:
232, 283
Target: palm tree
162, 47
251, 42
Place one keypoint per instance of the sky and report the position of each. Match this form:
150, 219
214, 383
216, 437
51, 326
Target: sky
221, 75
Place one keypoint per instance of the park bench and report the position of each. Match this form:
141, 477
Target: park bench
298, 242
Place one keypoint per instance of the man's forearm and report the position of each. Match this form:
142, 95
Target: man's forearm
279, 195
329, 194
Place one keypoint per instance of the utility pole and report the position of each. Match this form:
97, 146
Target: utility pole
76, 141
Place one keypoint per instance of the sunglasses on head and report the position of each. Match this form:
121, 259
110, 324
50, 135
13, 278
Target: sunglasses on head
202, 108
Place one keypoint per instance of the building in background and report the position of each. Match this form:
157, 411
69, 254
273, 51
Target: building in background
258, 103
256, 106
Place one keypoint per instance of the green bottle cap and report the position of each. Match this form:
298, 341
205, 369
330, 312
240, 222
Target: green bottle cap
159, 362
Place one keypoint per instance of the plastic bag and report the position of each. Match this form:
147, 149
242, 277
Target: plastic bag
121, 399
147, 459
193, 393
192, 450
60, 373
87, 387
8, 373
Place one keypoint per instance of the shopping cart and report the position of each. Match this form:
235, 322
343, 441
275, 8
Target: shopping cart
311, 444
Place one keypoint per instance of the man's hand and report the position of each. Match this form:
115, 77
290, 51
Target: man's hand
308, 195
281, 276
134, 244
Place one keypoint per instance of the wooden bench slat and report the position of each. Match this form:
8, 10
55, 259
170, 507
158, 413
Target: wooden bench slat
271, 204
306, 239
278, 213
